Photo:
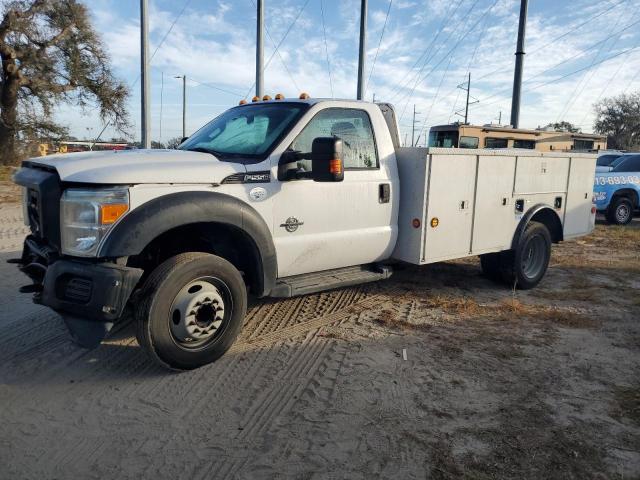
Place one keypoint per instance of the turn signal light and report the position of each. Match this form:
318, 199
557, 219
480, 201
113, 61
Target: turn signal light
335, 166
255, 99
304, 96
279, 96
111, 212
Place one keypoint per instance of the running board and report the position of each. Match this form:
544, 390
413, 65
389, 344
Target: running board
329, 279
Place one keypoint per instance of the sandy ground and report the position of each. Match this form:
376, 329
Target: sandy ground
437, 373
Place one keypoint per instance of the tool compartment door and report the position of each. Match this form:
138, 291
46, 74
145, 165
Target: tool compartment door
495, 220
577, 215
450, 198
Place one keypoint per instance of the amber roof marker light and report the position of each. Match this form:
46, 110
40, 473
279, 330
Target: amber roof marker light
255, 99
279, 96
304, 96
242, 102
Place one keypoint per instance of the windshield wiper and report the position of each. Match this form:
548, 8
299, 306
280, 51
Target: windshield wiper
205, 150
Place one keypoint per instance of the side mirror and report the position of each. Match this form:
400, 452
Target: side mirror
326, 160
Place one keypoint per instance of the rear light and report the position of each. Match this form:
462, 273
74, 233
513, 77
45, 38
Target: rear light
593, 210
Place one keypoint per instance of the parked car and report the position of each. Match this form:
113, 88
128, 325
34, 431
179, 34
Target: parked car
603, 163
617, 191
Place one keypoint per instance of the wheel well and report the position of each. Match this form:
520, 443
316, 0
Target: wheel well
223, 240
629, 193
550, 219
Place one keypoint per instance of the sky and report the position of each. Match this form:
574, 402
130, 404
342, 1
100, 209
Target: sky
577, 52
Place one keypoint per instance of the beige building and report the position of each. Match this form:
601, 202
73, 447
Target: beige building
459, 135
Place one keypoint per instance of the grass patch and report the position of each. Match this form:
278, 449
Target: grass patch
6, 173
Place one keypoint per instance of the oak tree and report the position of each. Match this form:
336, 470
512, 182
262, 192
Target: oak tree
619, 119
51, 55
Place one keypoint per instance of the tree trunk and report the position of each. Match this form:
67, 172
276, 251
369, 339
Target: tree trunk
9, 113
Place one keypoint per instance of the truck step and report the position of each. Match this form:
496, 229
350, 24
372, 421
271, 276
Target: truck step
329, 279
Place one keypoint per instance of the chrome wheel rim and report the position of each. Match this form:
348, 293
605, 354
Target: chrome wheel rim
622, 213
199, 312
534, 257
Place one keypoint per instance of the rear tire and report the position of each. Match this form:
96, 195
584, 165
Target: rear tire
191, 310
525, 266
620, 212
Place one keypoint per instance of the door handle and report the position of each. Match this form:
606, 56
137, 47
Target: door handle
384, 193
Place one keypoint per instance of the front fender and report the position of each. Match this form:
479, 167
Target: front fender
144, 224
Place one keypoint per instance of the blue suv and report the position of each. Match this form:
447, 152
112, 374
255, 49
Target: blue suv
617, 191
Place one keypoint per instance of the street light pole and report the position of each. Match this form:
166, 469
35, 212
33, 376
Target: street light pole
517, 75
184, 104
145, 123
260, 49
363, 48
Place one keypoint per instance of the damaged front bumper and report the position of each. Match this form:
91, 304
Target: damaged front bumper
89, 296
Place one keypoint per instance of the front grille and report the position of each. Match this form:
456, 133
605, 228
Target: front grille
78, 290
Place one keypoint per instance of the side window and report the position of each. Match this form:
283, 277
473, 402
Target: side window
352, 126
530, 144
468, 142
491, 142
630, 164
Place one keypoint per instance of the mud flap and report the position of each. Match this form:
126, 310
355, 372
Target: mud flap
87, 333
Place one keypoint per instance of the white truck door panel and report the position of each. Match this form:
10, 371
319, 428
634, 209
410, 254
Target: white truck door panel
339, 224
541, 174
343, 224
494, 221
450, 195
577, 216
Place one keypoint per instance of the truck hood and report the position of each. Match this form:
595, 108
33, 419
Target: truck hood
139, 166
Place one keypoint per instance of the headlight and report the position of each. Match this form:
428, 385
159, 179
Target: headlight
87, 216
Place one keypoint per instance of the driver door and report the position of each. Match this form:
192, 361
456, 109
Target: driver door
325, 225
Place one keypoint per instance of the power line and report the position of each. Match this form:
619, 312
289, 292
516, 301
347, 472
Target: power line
582, 84
559, 64
540, 85
454, 48
373, 65
280, 43
293, 80
426, 51
573, 29
326, 48
209, 85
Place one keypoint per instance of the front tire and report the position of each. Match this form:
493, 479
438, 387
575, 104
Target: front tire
620, 212
192, 309
525, 266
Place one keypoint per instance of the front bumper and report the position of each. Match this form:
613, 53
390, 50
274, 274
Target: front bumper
81, 291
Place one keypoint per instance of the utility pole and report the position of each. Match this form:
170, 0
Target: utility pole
467, 88
466, 110
413, 125
373, 100
145, 123
260, 50
184, 104
517, 76
161, 101
363, 48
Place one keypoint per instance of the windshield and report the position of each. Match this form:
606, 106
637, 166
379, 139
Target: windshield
605, 160
249, 131
446, 139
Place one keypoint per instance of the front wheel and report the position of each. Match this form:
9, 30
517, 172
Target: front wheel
620, 212
525, 266
192, 310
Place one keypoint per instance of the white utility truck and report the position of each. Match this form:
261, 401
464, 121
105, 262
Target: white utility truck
279, 198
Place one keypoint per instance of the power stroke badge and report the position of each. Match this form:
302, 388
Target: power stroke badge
291, 224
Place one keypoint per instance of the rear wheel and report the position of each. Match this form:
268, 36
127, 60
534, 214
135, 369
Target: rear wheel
620, 211
192, 310
525, 266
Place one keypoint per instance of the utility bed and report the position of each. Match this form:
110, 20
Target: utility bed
460, 202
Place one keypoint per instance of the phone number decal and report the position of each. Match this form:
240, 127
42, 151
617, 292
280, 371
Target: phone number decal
617, 180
